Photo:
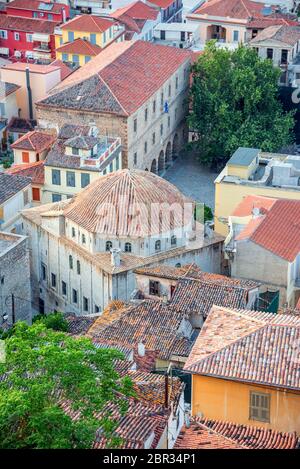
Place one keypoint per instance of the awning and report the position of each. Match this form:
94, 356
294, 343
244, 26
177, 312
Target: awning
41, 37
4, 50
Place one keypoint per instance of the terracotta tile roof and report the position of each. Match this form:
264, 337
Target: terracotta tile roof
272, 20
65, 71
8, 88
248, 346
250, 228
121, 86
285, 34
34, 141
279, 230
33, 68
167, 271
21, 126
245, 208
11, 184
34, 171
147, 362
121, 191
16, 23
239, 9
36, 5
80, 46
162, 3
135, 15
217, 434
79, 325
72, 130
154, 323
87, 23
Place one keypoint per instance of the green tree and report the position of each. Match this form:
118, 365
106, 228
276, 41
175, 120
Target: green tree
44, 369
55, 321
234, 102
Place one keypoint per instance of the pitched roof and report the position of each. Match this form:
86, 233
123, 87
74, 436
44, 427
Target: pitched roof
286, 34
33, 68
10, 185
87, 23
35, 171
8, 88
248, 346
278, 230
135, 15
218, 434
272, 20
64, 69
72, 130
122, 191
250, 202
243, 156
31, 25
20, 125
118, 84
80, 46
162, 3
154, 323
34, 141
239, 9
37, 5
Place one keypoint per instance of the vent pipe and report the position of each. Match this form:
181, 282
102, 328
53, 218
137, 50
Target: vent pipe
29, 93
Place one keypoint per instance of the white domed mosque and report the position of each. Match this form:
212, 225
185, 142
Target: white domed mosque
85, 249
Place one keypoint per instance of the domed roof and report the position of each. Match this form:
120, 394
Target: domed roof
129, 203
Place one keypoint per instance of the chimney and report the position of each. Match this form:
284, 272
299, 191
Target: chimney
141, 349
29, 93
115, 257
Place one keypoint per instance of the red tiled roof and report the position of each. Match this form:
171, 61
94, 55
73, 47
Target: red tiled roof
218, 434
245, 208
280, 33
136, 10
248, 346
33, 68
80, 46
162, 3
34, 141
29, 25
279, 229
88, 23
35, 171
36, 5
272, 20
239, 9
65, 71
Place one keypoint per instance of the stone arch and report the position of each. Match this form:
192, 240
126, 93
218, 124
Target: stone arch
153, 167
161, 162
169, 152
175, 149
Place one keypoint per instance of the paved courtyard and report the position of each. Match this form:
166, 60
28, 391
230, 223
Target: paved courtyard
194, 180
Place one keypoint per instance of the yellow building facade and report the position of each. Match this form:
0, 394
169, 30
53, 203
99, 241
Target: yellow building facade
220, 399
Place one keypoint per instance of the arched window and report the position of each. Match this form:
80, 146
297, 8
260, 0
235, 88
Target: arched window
83, 239
108, 246
73, 232
173, 240
127, 247
71, 262
78, 267
178, 265
157, 245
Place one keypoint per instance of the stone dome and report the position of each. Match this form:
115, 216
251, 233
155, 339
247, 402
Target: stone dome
129, 203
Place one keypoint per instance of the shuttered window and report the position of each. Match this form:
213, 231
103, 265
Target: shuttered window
260, 406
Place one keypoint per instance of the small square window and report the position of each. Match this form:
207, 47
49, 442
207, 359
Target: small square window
154, 288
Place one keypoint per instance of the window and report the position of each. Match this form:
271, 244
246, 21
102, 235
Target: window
97, 309
83, 239
111, 167
78, 267
169, 91
153, 138
178, 265
85, 179
56, 197
235, 36
162, 99
117, 163
108, 246
135, 158
284, 56
176, 83
25, 157
17, 36
85, 304
87, 58
70, 36
110, 33
74, 296
93, 38
56, 177
75, 151
127, 247
169, 121
65, 57
173, 240
70, 176
135, 125
259, 406
25, 197
154, 107
43, 271
73, 232
104, 37
182, 35
29, 38
161, 129
145, 147
157, 245
35, 14
71, 262
146, 114
270, 54
53, 280
3, 34
153, 287
75, 58
36, 196
63, 288
50, 17
162, 35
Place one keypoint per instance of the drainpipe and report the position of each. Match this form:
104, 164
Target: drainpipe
29, 93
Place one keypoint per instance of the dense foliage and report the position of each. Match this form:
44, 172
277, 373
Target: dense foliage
55, 321
234, 102
45, 369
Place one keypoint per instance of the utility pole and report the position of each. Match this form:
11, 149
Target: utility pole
13, 312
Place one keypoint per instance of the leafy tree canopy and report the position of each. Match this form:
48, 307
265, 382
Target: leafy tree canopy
44, 368
234, 102
55, 321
